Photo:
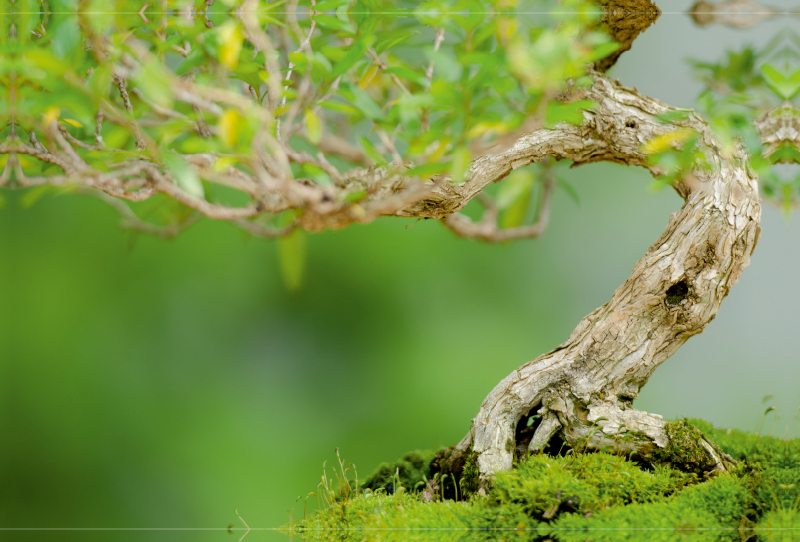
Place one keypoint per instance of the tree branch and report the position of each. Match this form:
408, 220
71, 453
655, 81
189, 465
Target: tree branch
487, 228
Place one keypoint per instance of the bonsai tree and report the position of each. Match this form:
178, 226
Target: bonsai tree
286, 119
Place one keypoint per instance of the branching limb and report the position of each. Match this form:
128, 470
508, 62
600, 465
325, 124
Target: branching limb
129, 219
265, 232
487, 228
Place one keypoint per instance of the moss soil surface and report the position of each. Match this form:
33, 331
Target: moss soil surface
571, 497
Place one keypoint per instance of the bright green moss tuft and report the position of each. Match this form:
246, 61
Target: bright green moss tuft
683, 449
712, 510
581, 496
582, 483
412, 468
470, 476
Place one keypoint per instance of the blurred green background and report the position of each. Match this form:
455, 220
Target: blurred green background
153, 383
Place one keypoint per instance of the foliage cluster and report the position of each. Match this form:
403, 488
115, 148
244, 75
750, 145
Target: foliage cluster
278, 90
750, 97
275, 115
583, 496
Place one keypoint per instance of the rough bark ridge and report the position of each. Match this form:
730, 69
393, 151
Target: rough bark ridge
583, 390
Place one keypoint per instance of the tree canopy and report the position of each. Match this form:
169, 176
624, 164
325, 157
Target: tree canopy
282, 118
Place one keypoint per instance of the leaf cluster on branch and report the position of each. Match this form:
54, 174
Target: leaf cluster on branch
749, 98
276, 116
279, 117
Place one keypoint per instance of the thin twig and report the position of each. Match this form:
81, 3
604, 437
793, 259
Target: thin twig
382, 65
487, 228
123, 92
437, 42
305, 44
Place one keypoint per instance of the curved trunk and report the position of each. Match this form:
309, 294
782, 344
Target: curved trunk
583, 390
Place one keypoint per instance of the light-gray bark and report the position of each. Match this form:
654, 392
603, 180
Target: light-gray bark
584, 388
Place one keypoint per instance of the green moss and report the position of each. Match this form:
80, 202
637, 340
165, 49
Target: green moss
412, 468
708, 511
583, 483
582, 496
470, 476
683, 449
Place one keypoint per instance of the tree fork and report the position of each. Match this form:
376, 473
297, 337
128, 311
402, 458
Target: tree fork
583, 390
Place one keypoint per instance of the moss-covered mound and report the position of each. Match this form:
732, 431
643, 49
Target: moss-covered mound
574, 497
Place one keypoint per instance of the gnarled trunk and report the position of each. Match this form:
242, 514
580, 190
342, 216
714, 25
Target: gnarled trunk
583, 390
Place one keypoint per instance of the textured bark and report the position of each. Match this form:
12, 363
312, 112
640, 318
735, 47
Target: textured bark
778, 128
583, 390
624, 20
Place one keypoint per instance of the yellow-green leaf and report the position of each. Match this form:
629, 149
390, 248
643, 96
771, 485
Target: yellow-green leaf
514, 197
665, 141
313, 127
230, 39
460, 164
292, 252
230, 124
184, 175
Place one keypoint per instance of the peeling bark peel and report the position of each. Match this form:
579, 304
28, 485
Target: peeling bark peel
673, 292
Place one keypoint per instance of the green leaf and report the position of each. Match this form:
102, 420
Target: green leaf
155, 82
391, 42
293, 253
326, 5
674, 116
569, 189
184, 175
318, 174
411, 75
99, 16
445, 64
197, 57
354, 53
354, 197
313, 127
332, 53
603, 51
370, 149
786, 153
249, 73
66, 38
570, 113
32, 195
101, 79
787, 87
469, 14
514, 197
334, 23
339, 107
460, 165
363, 102
410, 108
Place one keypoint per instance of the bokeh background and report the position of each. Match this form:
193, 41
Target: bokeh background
153, 383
